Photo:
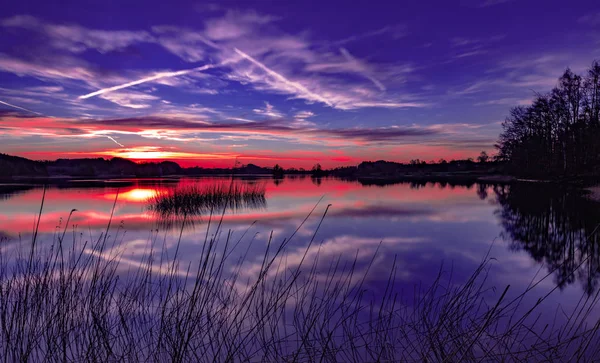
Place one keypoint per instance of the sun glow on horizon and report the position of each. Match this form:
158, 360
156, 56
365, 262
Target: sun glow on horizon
141, 153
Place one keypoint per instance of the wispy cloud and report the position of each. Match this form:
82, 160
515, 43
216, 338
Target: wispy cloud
476, 42
176, 128
56, 68
205, 91
269, 111
187, 44
395, 31
336, 96
235, 24
77, 39
469, 54
250, 35
293, 87
488, 3
350, 65
134, 100
304, 114
507, 101
590, 19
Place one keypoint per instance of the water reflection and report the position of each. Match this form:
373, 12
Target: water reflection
189, 201
556, 226
135, 195
9, 190
540, 223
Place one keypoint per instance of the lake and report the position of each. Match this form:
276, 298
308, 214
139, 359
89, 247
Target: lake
530, 230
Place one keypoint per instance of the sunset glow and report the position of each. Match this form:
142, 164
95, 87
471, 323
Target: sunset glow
352, 181
242, 82
155, 153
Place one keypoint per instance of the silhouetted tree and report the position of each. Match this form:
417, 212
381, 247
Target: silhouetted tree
317, 170
558, 134
483, 157
278, 171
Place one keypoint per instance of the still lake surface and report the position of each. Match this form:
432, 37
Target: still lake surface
531, 230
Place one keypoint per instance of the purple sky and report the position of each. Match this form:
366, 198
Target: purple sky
279, 81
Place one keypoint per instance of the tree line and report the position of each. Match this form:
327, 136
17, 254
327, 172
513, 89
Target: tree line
558, 134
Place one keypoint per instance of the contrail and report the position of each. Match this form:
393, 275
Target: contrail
281, 78
149, 79
20, 108
115, 141
351, 59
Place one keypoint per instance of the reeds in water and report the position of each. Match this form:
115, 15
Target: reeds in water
197, 199
79, 303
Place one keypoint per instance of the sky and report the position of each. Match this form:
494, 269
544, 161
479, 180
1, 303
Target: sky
288, 82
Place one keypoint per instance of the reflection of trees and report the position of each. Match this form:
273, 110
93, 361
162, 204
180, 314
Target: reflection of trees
8, 191
482, 191
415, 183
555, 226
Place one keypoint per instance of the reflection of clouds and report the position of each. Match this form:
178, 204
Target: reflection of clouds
463, 215
343, 250
21, 222
379, 210
288, 200
138, 265
417, 228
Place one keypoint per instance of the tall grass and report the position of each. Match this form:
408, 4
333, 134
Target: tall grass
198, 199
81, 301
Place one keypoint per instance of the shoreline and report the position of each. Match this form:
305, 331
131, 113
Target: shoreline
584, 182
116, 180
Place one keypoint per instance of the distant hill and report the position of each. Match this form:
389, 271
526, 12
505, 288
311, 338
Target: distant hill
15, 166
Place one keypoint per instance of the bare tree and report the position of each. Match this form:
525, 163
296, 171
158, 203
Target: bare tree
558, 134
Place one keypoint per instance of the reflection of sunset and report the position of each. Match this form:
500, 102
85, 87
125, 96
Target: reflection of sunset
135, 195
290, 201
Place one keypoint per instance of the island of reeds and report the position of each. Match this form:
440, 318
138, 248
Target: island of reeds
195, 199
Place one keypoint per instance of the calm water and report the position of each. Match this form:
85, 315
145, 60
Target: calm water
529, 229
